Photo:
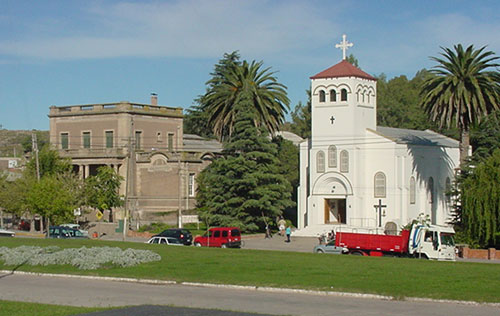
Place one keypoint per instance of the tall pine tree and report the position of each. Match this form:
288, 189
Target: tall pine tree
244, 187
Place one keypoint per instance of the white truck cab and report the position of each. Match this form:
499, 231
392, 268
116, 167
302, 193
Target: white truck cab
432, 242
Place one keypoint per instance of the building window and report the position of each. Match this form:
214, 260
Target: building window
448, 190
320, 161
109, 139
64, 140
158, 137
333, 96
138, 136
191, 184
332, 156
413, 190
170, 142
322, 96
430, 190
344, 161
380, 185
86, 139
343, 95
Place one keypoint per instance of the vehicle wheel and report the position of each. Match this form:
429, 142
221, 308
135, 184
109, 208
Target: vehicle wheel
319, 251
197, 244
356, 253
223, 246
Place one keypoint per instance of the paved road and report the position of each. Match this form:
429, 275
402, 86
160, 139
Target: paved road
84, 292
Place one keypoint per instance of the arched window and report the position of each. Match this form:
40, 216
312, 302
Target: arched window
343, 95
344, 161
430, 190
379, 185
332, 157
333, 95
413, 192
320, 161
448, 190
322, 96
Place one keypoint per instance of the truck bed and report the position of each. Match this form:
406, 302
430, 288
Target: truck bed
372, 242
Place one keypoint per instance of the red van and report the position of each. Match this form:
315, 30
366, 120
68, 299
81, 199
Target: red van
224, 237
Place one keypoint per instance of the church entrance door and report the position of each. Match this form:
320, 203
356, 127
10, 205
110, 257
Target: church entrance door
335, 211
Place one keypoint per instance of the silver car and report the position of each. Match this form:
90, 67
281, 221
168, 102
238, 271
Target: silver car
165, 241
329, 248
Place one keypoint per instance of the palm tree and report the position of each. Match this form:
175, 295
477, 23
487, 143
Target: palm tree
268, 97
462, 91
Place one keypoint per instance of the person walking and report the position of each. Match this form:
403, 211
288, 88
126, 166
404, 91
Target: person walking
288, 232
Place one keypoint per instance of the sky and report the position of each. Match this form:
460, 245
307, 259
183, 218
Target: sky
95, 51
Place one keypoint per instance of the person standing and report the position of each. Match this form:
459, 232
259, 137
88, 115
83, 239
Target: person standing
288, 233
281, 226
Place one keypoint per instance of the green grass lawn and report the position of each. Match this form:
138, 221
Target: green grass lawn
395, 277
10, 308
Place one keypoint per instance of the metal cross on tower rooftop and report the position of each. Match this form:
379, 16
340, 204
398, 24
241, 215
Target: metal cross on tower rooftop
344, 45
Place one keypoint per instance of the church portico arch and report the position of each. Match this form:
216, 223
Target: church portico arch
332, 184
331, 191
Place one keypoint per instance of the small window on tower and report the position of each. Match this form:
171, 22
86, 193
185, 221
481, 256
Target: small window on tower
343, 95
333, 95
322, 96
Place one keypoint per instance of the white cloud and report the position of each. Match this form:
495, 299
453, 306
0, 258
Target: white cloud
179, 29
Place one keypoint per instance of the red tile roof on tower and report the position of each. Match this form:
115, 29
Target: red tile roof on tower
343, 69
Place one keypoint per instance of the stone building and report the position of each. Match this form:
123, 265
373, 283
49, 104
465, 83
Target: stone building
144, 143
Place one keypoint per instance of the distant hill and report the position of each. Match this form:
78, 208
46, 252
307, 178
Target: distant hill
16, 143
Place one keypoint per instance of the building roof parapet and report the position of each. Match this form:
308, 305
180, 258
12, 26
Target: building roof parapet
113, 108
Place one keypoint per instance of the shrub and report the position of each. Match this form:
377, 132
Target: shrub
83, 258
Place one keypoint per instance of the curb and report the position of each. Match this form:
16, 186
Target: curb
256, 288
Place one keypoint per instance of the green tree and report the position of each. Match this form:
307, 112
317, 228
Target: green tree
480, 202
102, 190
288, 166
13, 195
398, 102
485, 138
196, 120
53, 197
462, 90
50, 163
244, 188
353, 60
301, 118
268, 97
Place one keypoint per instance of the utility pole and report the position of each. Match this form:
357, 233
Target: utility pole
179, 215
34, 147
129, 182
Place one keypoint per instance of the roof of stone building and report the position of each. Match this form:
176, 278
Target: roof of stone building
193, 142
294, 138
342, 69
416, 137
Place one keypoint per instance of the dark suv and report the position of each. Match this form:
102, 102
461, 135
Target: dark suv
182, 234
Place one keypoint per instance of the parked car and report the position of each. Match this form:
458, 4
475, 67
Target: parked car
65, 232
6, 233
165, 241
181, 234
77, 227
224, 237
329, 248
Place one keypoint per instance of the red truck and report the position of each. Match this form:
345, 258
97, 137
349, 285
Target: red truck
426, 241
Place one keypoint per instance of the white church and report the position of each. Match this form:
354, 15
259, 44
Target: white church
357, 175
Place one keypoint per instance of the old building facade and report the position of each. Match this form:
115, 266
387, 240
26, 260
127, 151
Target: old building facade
144, 143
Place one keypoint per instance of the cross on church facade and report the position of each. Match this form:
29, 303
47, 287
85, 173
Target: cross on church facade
332, 119
344, 45
378, 207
